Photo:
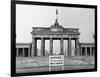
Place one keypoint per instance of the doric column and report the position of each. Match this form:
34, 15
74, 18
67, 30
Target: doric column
69, 47
85, 51
34, 47
93, 51
61, 47
77, 50
35, 53
17, 52
42, 47
28, 52
51, 46
81, 52
23, 52
90, 51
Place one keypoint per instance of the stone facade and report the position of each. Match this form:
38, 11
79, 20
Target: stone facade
85, 49
54, 32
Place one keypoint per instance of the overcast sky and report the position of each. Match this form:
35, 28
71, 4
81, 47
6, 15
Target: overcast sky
28, 16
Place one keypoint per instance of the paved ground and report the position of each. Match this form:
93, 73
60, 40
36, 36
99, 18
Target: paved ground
45, 69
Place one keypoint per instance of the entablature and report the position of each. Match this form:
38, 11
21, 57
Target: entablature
56, 36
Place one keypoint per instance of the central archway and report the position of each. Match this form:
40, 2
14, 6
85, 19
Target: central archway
56, 47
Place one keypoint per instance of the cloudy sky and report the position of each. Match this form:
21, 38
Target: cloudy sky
28, 16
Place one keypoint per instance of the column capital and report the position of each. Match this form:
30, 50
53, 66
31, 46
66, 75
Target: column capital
50, 37
77, 38
69, 38
42, 37
62, 38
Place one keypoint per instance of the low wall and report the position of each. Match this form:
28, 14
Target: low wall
44, 61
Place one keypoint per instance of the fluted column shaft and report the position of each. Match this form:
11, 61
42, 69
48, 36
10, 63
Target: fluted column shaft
85, 51
77, 50
23, 52
28, 52
51, 46
61, 47
42, 47
17, 51
69, 47
34, 47
90, 51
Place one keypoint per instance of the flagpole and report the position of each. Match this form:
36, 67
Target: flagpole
56, 15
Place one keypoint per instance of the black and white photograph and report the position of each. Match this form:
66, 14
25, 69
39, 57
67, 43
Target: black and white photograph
54, 38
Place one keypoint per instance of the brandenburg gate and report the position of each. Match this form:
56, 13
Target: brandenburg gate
54, 32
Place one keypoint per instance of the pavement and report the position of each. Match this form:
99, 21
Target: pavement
57, 68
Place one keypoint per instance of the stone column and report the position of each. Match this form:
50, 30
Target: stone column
61, 47
69, 47
77, 50
51, 46
85, 51
28, 52
23, 52
34, 47
35, 53
93, 51
42, 47
90, 51
81, 52
17, 52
